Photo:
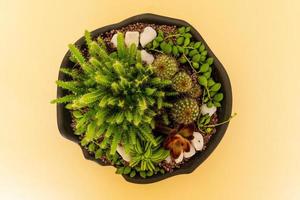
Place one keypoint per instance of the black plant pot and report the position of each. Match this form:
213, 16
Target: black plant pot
64, 116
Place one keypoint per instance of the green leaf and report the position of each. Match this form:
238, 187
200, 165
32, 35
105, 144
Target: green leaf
132, 135
207, 74
116, 140
210, 61
175, 51
182, 60
90, 133
216, 87
181, 30
132, 53
142, 104
143, 174
218, 97
186, 42
187, 35
132, 174
88, 38
90, 97
129, 116
150, 91
204, 53
70, 72
77, 114
91, 147
64, 99
204, 67
193, 52
137, 118
195, 65
120, 117
127, 170
159, 38
155, 44
110, 130
210, 82
217, 104
121, 46
202, 81
202, 48
167, 49
147, 133
179, 41
196, 58
98, 153
72, 86
120, 170
197, 45
80, 59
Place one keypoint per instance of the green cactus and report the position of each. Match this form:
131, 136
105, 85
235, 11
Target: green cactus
195, 91
165, 66
185, 111
182, 82
115, 96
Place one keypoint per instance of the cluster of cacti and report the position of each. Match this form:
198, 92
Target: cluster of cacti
117, 101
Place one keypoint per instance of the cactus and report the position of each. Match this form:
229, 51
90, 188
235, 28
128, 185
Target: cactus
165, 66
115, 95
182, 82
195, 91
185, 111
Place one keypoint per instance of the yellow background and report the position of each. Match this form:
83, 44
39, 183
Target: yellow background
258, 43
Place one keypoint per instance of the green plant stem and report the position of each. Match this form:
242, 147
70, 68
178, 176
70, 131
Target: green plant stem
208, 93
190, 63
158, 51
218, 124
188, 48
173, 35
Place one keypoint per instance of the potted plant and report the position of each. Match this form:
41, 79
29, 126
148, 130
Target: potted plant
145, 95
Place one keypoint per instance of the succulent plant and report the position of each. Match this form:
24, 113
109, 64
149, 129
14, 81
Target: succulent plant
114, 97
165, 66
182, 82
177, 144
145, 156
185, 111
195, 91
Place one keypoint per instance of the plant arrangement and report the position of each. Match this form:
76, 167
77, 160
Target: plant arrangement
142, 98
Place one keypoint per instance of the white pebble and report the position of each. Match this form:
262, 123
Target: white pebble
190, 153
132, 37
198, 141
168, 159
147, 57
147, 36
206, 110
180, 158
123, 154
114, 40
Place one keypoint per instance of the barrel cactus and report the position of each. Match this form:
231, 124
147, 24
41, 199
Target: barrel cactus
185, 111
195, 91
182, 82
165, 66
